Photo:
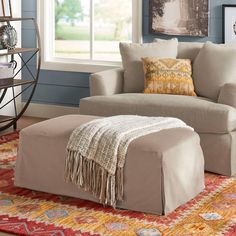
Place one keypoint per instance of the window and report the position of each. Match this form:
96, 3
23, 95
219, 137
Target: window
84, 35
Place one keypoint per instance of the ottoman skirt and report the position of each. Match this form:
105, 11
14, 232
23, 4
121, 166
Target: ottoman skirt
162, 171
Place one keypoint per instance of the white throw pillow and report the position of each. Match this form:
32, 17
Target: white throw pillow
186, 50
132, 53
214, 66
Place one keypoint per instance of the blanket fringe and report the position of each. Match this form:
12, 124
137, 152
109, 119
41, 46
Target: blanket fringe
91, 177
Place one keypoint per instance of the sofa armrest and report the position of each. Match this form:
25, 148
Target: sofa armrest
107, 82
228, 95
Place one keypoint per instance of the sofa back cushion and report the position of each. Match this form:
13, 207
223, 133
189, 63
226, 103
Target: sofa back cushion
132, 53
186, 50
189, 50
214, 66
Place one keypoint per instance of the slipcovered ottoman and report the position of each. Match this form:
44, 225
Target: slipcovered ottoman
162, 170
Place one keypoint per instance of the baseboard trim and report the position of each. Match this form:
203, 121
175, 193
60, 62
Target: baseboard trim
49, 111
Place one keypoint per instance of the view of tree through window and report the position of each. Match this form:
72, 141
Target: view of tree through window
112, 23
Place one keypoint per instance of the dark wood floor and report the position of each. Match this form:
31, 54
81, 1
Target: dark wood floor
22, 123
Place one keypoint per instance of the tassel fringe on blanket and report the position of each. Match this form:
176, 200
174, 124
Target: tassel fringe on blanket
96, 152
91, 177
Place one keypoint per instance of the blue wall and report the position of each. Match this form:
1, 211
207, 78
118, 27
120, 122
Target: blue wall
66, 88
54, 87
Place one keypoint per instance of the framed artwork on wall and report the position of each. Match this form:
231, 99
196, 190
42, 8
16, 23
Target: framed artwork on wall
179, 17
5, 9
229, 23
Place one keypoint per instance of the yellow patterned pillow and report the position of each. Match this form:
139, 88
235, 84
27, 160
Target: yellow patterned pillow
168, 76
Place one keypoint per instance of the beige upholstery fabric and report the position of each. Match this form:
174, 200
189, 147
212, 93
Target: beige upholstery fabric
213, 67
112, 81
228, 95
219, 152
203, 115
131, 58
106, 82
159, 172
186, 50
216, 122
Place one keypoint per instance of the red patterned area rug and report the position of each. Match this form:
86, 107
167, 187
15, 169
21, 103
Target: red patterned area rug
26, 212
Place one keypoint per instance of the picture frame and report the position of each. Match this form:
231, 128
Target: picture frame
229, 23
179, 17
5, 9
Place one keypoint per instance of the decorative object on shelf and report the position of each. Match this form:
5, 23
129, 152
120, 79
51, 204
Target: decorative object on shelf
2, 49
26, 81
13, 64
7, 72
229, 23
8, 36
7, 69
179, 17
5, 9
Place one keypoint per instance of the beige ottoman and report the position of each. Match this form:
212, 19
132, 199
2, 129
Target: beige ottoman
162, 171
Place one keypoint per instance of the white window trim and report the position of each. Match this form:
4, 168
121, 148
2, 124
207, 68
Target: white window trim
76, 65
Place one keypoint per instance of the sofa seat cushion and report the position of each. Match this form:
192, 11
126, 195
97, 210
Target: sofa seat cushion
203, 115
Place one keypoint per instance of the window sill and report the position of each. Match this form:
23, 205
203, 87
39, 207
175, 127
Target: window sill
78, 66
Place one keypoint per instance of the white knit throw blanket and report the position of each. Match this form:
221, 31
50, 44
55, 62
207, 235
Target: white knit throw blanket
96, 152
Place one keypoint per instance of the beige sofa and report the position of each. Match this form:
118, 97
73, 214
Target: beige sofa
213, 119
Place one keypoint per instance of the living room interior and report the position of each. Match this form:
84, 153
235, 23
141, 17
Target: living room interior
118, 117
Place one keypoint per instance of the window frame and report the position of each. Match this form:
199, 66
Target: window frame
45, 11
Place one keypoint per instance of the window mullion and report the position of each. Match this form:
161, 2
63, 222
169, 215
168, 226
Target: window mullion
137, 21
52, 39
59, 60
91, 29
